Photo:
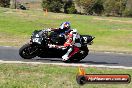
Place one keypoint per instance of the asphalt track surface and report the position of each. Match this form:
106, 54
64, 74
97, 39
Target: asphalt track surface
94, 58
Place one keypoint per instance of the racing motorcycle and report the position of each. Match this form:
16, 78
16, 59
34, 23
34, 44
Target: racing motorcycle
38, 46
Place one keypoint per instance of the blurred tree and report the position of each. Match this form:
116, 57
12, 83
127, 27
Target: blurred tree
128, 9
4, 3
98, 7
87, 5
114, 7
129, 4
13, 4
52, 5
91, 6
69, 6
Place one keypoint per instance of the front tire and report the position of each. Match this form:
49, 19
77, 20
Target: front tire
27, 51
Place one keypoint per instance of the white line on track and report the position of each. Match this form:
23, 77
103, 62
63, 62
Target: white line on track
5, 46
117, 53
65, 64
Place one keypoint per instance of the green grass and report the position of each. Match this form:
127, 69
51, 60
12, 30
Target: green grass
50, 76
112, 33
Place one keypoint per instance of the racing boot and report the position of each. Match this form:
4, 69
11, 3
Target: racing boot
66, 56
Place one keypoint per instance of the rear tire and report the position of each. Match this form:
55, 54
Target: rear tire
72, 60
78, 57
26, 51
86, 51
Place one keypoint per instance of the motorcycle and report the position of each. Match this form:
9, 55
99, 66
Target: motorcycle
38, 46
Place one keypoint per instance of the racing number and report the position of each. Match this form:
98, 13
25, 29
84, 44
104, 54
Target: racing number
85, 39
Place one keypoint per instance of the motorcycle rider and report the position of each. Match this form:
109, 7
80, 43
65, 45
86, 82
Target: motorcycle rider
64, 28
59, 34
73, 43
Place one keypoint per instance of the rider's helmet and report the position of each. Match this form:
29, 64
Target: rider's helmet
65, 26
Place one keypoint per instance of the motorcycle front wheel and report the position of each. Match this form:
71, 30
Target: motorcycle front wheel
28, 51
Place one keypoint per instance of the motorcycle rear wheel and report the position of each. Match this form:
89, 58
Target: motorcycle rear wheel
78, 57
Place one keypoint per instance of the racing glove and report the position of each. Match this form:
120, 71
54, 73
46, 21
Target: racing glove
52, 46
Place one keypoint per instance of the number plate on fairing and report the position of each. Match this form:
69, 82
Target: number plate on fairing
85, 39
37, 40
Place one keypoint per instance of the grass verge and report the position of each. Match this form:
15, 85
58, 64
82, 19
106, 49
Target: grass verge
50, 76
